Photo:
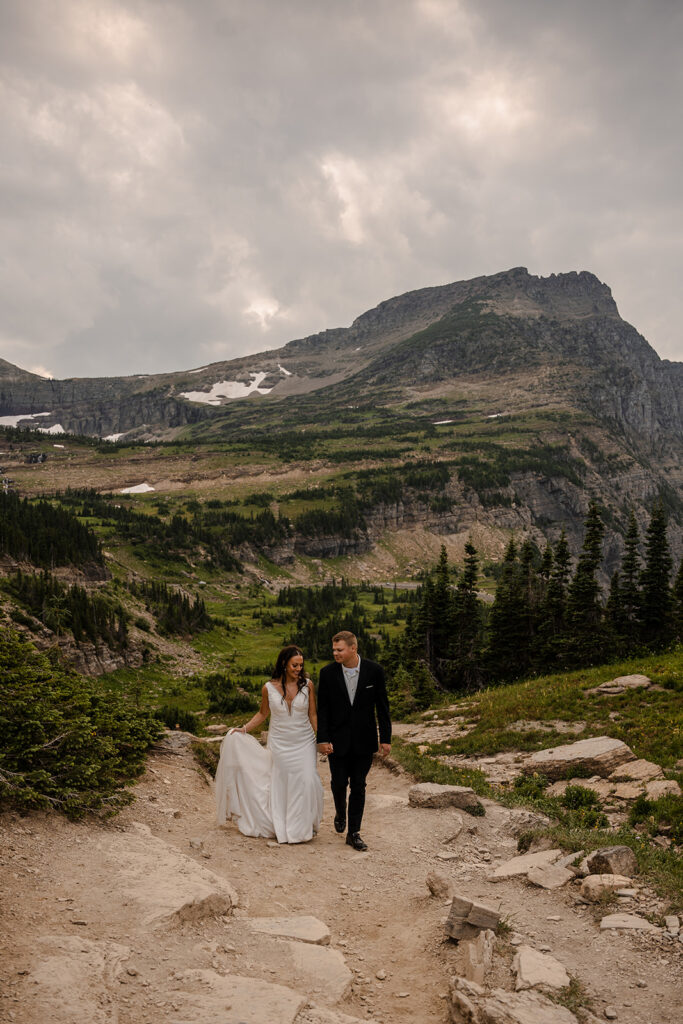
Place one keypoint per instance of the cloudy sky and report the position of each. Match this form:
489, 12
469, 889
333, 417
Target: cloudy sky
189, 180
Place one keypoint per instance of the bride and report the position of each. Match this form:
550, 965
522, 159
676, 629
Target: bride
275, 791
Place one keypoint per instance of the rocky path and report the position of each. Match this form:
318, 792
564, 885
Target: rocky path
158, 915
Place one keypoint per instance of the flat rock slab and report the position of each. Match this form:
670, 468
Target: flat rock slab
612, 860
639, 770
535, 969
322, 1015
549, 876
622, 683
520, 866
162, 884
211, 998
662, 787
319, 969
593, 886
471, 1004
431, 794
71, 979
627, 921
304, 928
599, 756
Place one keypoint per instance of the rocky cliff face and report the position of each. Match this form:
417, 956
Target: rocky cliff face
507, 322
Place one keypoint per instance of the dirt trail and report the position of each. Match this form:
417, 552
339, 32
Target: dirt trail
80, 941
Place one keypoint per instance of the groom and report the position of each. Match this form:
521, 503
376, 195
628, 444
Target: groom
352, 701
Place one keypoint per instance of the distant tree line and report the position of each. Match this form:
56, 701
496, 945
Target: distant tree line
63, 608
44, 534
544, 617
320, 612
174, 611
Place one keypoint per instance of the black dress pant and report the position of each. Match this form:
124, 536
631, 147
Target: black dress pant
350, 770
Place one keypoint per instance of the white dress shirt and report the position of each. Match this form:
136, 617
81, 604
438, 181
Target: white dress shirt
351, 679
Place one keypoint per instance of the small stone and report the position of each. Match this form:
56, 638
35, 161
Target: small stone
610, 1013
402, 995
132, 972
534, 968
273, 845
196, 844
438, 885
381, 975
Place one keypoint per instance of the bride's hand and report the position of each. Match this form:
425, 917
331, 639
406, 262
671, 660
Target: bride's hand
242, 729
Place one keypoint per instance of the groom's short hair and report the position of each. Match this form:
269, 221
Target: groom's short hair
345, 637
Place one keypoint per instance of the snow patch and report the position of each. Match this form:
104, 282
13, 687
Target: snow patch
57, 428
287, 373
200, 370
13, 421
495, 415
441, 423
57, 445
138, 489
113, 437
228, 389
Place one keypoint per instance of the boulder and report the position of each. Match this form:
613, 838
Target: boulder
629, 922
303, 928
598, 756
431, 794
637, 771
467, 917
520, 866
593, 886
438, 885
470, 1003
549, 876
536, 969
612, 860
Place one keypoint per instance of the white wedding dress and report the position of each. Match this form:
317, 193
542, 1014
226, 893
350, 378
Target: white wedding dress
273, 791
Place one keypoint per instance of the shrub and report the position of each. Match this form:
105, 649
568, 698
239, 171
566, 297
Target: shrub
175, 718
668, 810
64, 742
575, 797
226, 697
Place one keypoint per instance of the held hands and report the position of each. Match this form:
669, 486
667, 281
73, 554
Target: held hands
325, 748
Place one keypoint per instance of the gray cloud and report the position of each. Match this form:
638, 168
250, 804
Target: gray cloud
189, 182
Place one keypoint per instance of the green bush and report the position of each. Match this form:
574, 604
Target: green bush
226, 697
65, 743
668, 810
579, 796
175, 718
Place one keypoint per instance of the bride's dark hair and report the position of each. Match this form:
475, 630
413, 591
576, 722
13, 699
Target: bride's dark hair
280, 670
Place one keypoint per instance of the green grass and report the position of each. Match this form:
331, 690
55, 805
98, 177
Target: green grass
650, 722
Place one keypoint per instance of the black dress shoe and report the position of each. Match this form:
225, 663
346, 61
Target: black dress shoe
353, 839
339, 823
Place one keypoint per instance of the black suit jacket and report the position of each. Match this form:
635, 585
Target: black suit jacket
352, 728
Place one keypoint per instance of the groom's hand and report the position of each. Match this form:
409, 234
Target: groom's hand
325, 748
385, 749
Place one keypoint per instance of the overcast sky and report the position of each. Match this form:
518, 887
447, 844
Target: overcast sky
183, 181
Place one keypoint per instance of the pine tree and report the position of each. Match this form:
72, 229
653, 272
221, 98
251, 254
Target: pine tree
629, 585
468, 623
586, 637
506, 656
678, 604
656, 613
